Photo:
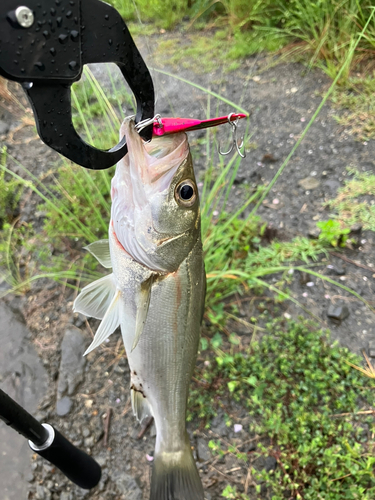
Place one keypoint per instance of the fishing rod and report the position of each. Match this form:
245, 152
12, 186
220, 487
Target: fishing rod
50, 444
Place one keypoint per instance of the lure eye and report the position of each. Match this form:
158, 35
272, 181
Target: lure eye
186, 193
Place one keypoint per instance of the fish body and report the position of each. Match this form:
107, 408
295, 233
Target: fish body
156, 294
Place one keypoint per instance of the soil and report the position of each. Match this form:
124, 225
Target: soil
281, 99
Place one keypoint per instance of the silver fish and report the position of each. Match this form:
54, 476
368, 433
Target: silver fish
156, 294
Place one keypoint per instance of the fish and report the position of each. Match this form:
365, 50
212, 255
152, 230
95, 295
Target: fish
156, 294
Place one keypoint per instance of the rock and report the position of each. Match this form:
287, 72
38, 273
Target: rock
371, 348
127, 486
63, 406
72, 363
40, 493
203, 451
270, 464
337, 269
313, 232
4, 128
309, 183
338, 312
86, 432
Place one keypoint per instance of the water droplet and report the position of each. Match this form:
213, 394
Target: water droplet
69, 14
15, 61
53, 11
46, 34
52, 51
63, 38
40, 66
106, 17
73, 65
110, 41
22, 70
74, 35
59, 21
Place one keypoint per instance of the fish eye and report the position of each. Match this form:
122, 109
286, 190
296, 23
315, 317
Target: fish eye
186, 193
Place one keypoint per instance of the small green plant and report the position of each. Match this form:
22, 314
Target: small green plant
332, 232
231, 492
355, 99
355, 201
309, 408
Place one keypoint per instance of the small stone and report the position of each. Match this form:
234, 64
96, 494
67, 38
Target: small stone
336, 269
4, 128
313, 232
128, 486
63, 406
338, 312
86, 432
40, 493
309, 183
89, 442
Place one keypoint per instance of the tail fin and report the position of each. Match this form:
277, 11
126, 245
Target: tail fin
175, 476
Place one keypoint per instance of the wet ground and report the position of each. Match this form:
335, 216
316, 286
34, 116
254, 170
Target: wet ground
24, 379
93, 409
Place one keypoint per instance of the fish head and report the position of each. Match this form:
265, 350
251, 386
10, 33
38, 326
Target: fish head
155, 204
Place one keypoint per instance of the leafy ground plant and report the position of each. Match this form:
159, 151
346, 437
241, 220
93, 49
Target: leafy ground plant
310, 411
355, 202
356, 98
332, 232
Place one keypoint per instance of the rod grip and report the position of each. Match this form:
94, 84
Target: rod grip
75, 464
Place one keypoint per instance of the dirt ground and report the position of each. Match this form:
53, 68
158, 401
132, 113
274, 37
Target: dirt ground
281, 100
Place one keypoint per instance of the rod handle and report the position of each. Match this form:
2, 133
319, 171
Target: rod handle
75, 464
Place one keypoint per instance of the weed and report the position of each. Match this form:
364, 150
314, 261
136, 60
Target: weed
356, 98
332, 232
307, 407
355, 201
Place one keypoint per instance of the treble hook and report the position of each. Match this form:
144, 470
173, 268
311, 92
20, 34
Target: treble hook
234, 125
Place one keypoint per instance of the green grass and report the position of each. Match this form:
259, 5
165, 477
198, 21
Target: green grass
305, 403
291, 381
356, 101
355, 202
321, 33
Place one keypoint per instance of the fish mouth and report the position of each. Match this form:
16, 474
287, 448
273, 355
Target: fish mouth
153, 164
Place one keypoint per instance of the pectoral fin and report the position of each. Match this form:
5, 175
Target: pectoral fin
143, 303
95, 298
100, 250
109, 323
